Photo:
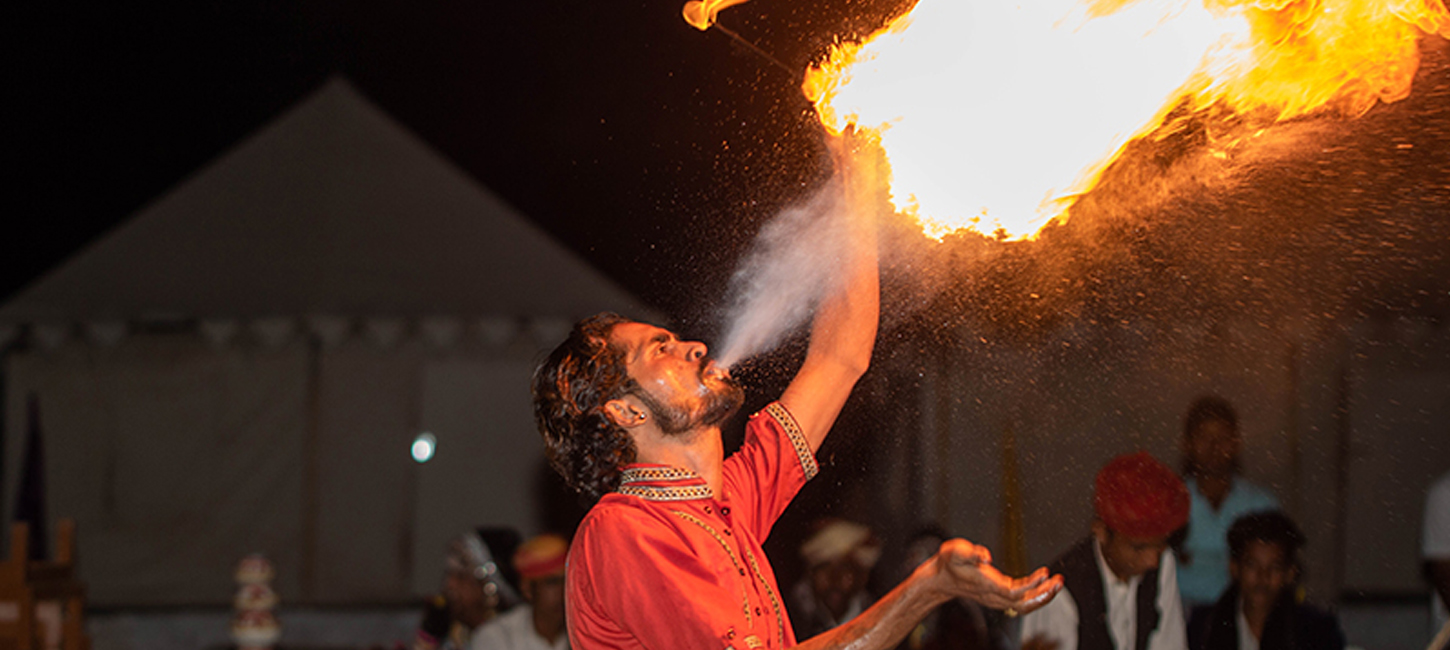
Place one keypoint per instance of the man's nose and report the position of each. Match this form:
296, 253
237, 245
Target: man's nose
695, 350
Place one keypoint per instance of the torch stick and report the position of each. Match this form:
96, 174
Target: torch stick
753, 48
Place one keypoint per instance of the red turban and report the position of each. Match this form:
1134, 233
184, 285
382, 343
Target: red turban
541, 556
1138, 496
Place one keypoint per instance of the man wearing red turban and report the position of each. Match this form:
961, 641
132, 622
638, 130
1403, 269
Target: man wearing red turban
1120, 587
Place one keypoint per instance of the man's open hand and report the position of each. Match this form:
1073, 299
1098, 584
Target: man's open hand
966, 571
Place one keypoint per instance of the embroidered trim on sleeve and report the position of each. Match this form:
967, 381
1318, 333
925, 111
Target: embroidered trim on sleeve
797, 438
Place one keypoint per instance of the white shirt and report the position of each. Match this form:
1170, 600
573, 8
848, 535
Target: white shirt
514, 630
1435, 542
1057, 621
1247, 640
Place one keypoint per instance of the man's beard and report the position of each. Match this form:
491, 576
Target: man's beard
719, 404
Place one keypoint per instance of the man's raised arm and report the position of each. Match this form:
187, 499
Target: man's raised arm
843, 335
843, 332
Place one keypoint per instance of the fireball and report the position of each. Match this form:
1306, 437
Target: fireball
995, 115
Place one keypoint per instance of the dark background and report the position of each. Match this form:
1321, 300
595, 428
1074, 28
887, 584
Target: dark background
649, 147
656, 151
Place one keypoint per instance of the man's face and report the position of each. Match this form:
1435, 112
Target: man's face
546, 595
679, 383
1262, 573
1129, 556
1212, 447
468, 601
835, 582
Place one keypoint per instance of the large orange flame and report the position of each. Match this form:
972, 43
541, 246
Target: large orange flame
995, 114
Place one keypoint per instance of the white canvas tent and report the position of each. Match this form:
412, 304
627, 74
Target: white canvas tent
243, 365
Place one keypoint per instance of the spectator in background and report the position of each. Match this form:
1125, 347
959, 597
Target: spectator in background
1435, 546
1211, 446
538, 623
476, 587
839, 557
1120, 590
958, 624
1260, 610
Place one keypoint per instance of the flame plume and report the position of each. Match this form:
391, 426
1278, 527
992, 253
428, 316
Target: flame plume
995, 116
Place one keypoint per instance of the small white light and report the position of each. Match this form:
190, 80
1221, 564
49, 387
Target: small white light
424, 446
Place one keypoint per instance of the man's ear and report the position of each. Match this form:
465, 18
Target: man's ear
626, 412
1100, 532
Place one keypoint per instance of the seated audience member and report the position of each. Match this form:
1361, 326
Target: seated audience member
477, 586
1120, 589
839, 557
958, 624
1260, 609
1435, 547
538, 623
1211, 446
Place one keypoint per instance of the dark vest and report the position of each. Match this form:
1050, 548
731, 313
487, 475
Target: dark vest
1291, 626
1080, 576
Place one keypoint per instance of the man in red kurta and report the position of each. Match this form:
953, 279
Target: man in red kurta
670, 558
696, 553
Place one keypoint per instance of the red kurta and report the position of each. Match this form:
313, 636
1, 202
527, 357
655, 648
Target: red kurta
664, 564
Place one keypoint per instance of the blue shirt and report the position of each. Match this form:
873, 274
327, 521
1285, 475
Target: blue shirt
1203, 573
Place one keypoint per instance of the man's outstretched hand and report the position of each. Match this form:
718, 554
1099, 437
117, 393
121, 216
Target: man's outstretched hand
960, 569
965, 571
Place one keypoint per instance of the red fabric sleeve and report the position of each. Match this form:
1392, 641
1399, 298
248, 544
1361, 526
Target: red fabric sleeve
772, 465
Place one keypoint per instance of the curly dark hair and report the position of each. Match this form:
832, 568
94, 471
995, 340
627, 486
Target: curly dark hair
1209, 408
1270, 526
570, 389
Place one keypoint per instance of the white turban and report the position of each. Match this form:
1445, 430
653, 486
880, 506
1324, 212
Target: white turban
841, 538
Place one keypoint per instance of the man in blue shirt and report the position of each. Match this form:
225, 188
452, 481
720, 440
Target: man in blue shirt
1211, 446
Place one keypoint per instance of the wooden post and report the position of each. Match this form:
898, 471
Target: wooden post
1013, 542
1343, 456
1296, 455
15, 586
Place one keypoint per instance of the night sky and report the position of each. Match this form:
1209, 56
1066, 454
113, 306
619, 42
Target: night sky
652, 149
641, 143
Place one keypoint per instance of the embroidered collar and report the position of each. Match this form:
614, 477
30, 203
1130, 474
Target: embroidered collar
663, 483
